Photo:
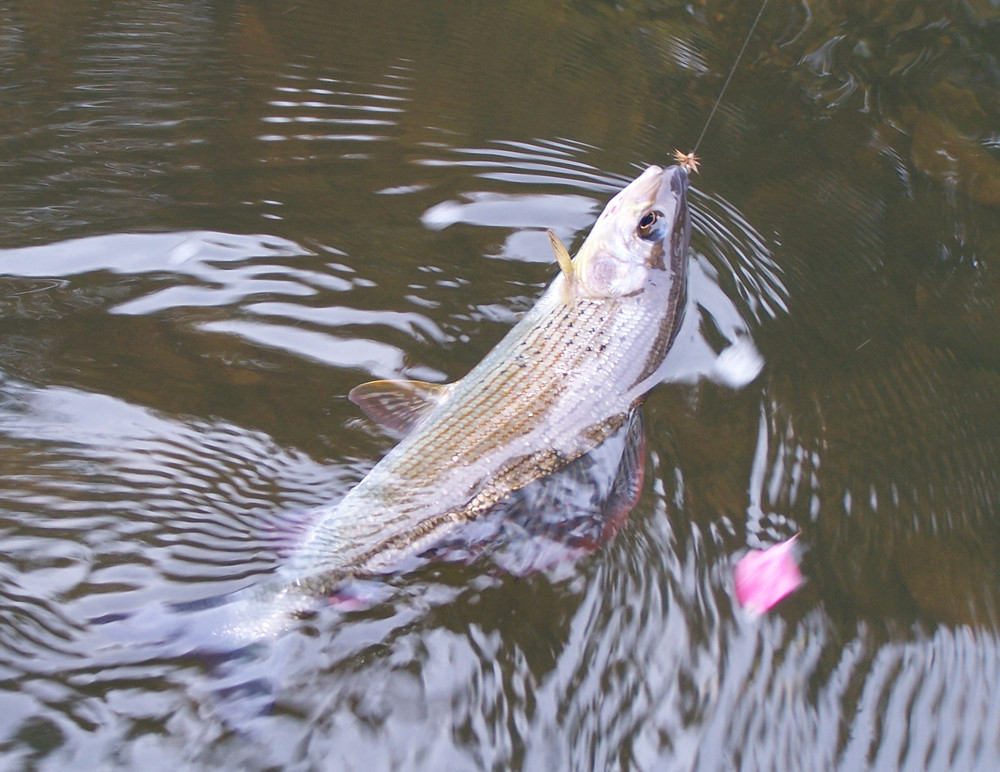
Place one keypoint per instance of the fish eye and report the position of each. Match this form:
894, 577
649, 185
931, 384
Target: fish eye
647, 223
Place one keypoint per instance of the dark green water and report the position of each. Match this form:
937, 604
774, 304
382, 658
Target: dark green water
218, 217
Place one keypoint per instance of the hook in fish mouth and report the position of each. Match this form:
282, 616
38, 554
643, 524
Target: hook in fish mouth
687, 161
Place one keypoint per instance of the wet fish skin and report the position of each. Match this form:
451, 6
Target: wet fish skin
561, 381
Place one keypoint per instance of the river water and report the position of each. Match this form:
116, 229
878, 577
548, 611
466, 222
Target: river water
218, 217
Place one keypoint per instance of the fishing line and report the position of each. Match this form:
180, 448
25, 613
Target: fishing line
690, 160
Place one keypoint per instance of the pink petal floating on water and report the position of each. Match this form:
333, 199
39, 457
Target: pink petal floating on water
765, 577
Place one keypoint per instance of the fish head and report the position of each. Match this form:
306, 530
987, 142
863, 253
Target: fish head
643, 231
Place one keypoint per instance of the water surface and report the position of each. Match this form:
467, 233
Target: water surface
218, 217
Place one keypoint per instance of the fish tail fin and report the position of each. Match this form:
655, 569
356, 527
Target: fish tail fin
235, 635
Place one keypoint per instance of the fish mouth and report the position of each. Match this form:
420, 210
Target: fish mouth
671, 200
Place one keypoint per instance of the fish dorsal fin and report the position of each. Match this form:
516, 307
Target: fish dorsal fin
565, 265
562, 255
397, 406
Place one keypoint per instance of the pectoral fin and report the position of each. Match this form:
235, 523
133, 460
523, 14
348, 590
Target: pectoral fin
397, 406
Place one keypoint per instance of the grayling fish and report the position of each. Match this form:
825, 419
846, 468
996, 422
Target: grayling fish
561, 381
568, 376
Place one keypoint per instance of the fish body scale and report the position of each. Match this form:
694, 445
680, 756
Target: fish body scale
551, 390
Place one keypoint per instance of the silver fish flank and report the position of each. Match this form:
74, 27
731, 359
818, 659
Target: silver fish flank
559, 383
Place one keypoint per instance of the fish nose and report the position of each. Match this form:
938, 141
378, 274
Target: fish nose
671, 197
676, 180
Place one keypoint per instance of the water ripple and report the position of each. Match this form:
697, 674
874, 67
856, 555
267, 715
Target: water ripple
118, 507
542, 162
189, 274
741, 256
307, 110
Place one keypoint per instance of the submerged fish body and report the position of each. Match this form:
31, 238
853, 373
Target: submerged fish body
563, 380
